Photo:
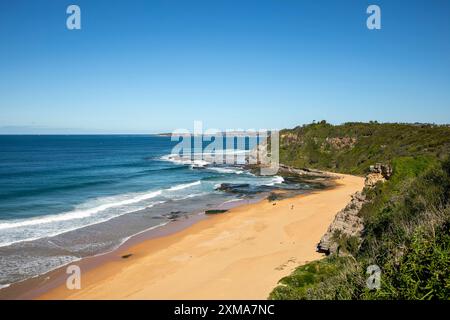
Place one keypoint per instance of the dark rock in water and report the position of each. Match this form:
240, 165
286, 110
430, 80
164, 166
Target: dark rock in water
174, 215
198, 167
245, 188
274, 196
215, 211
249, 189
234, 187
127, 256
292, 183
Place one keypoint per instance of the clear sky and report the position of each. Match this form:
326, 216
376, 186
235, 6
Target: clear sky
156, 65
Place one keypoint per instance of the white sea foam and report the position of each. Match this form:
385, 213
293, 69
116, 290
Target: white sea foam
199, 164
184, 161
232, 200
193, 195
177, 159
87, 214
184, 186
78, 214
202, 159
22, 233
111, 202
275, 180
227, 170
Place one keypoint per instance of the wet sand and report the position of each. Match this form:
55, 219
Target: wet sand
240, 254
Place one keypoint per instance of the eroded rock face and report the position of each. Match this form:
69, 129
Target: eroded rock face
346, 221
373, 178
378, 172
339, 143
258, 154
289, 139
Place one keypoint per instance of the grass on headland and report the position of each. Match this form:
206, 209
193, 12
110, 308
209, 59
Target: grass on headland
353, 147
407, 221
215, 211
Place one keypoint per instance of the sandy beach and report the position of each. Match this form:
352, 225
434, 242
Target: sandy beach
240, 254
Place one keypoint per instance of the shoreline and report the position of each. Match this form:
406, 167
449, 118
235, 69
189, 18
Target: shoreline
32, 288
241, 254
165, 251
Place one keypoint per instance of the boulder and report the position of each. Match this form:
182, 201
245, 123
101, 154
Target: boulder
378, 172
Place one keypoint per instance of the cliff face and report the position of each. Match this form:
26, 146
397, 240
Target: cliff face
378, 172
348, 222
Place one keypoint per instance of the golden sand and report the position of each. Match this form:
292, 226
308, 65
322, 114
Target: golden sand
241, 254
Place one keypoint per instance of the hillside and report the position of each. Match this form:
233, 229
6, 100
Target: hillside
406, 218
353, 147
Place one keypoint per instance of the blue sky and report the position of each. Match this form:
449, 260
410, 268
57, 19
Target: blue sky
150, 66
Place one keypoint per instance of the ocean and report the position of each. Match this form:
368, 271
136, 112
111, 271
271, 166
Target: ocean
65, 197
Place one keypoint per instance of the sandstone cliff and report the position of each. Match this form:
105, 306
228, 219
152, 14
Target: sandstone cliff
347, 222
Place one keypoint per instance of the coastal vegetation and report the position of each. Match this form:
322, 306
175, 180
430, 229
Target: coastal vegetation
406, 218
